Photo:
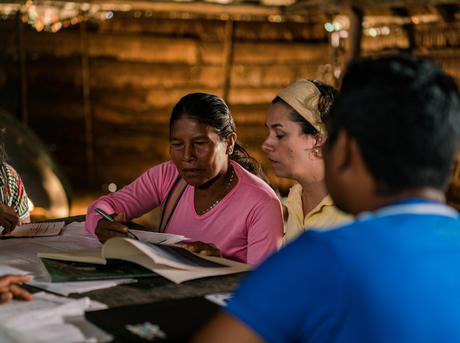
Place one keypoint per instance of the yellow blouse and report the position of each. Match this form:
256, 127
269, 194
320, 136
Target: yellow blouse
323, 217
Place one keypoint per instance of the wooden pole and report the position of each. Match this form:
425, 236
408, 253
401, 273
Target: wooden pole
228, 58
23, 71
407, 28
355, 34
86, 88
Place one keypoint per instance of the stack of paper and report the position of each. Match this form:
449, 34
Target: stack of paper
44, 229
45, 320
65, 288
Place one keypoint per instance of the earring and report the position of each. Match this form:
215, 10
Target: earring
316, 152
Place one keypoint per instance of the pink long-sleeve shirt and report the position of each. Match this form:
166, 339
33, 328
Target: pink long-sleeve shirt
246, 225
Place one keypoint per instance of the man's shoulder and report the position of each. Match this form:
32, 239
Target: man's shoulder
365, 232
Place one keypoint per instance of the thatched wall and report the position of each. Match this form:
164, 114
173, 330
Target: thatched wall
138, 67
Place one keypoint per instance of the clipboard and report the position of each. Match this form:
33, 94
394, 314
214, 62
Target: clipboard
175, 320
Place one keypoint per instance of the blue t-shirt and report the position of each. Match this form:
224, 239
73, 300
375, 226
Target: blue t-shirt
389, 277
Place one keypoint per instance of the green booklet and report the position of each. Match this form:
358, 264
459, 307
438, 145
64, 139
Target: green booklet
62, 271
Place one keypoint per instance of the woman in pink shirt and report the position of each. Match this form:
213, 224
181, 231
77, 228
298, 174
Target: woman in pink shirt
225, 202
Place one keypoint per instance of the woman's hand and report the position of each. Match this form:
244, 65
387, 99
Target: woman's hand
9, 289
204, 249
105, 229
9, 219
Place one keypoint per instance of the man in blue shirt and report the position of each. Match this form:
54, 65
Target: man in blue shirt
394, 274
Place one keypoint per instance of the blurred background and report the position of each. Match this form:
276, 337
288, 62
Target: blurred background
87, 87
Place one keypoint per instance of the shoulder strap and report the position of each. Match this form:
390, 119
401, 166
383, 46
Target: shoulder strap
170, 202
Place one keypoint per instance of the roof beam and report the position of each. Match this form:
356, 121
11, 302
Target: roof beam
447, 12
339, 5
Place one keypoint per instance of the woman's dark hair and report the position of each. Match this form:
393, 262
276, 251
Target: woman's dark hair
326, 99
211, 110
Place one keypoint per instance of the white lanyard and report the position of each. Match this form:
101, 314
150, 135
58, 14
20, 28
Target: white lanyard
420, 208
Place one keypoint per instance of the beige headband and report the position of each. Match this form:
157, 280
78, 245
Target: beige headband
303, 96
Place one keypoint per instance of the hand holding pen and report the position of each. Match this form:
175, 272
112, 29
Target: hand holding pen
112, 227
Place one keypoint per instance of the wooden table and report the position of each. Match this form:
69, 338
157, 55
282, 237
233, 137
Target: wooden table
152, 289
22, 254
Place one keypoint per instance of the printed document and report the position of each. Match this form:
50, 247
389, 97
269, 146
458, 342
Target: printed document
35, 230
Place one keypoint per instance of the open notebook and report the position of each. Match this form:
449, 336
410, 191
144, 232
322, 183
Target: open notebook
172, 262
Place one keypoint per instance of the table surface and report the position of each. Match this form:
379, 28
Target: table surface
22, 254
152, 289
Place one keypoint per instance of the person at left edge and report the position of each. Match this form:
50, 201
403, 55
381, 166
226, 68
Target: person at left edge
225, 209
14, 204
9, 288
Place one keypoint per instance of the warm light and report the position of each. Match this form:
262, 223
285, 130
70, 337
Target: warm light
30, 204
341, 22
275, 18
56, 27
337, 72
329, 27
38, 25
112, 187
377, 31
52, 15
85, 7
385, 30
335, 39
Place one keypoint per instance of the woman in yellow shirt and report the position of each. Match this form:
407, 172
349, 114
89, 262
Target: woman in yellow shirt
296, 131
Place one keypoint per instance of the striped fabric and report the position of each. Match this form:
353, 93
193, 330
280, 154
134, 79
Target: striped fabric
170, 203
12, 192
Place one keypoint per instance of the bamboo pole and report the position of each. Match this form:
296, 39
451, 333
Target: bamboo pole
86, 89
23, 71
355, 34
228, 58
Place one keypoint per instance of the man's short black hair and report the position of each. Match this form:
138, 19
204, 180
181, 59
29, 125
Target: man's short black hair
404, 114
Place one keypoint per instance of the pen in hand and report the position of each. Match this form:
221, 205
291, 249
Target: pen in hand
110, 219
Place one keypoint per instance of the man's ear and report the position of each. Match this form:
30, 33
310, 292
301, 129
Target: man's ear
342, 151
231, 140
349, 159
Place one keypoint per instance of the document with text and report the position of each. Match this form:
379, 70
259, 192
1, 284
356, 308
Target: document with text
35, 230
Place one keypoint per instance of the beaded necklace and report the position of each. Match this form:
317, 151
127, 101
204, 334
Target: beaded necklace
227, 186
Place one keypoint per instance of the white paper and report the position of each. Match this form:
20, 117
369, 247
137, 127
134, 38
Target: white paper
46, 318
4, 270
89, 330
179, 275
66, 288
43, 319
22, 253
158, 237
220, 299
36, 229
